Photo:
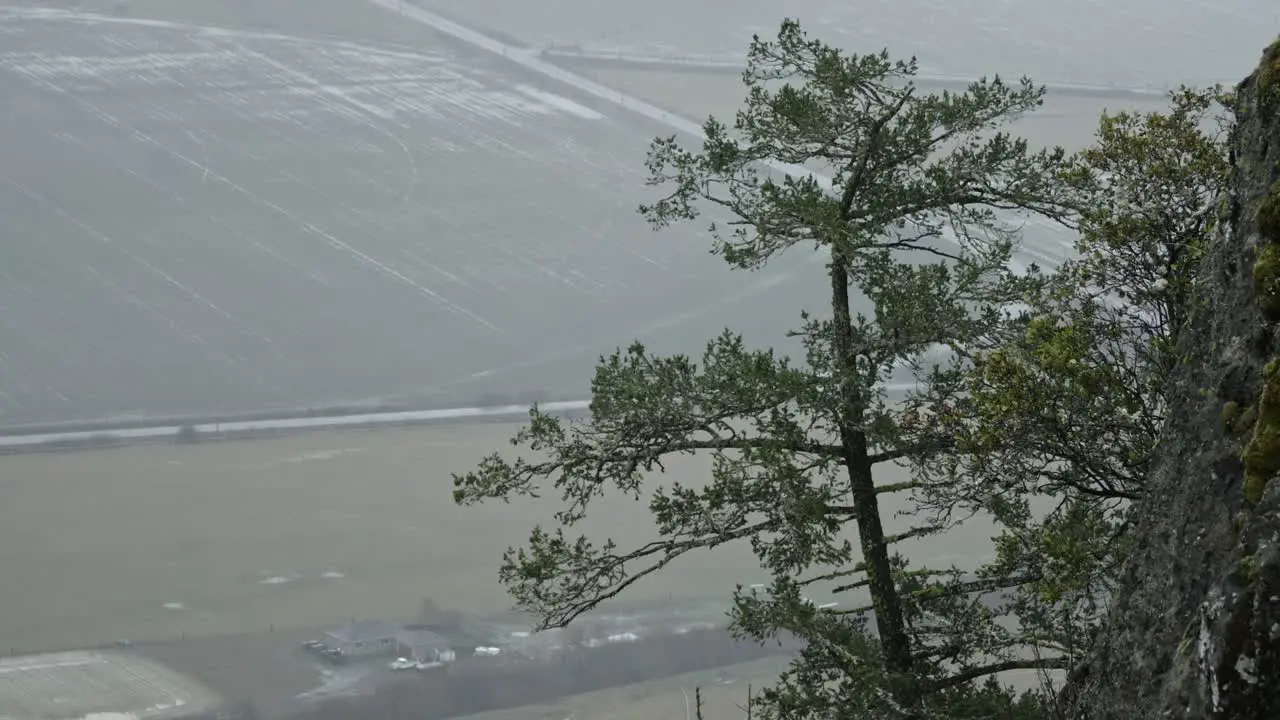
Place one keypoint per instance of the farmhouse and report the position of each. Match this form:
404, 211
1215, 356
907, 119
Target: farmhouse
421, 643
363, 637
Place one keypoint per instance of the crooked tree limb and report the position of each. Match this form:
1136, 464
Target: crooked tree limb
982, 671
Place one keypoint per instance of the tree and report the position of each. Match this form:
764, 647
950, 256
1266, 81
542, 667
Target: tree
912, 220
1069, 410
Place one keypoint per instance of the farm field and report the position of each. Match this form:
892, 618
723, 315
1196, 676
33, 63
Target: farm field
155, 541
210, 219
723, 690
1066, 119
218, 209
724, 695
1131, 43
92, 684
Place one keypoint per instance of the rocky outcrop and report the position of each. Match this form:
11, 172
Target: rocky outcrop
1195, 632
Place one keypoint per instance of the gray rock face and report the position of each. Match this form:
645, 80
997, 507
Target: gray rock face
1195, 632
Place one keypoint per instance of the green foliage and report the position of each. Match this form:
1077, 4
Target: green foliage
913, 218
1059, 423
1153, 183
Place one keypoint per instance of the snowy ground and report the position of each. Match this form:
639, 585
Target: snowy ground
209, 220
215, 209
101, 685
1128, 43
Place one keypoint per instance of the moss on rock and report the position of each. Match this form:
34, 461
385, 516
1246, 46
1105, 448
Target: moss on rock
1230, 414
1247, 568
1261, 456
1266, 281
1244, 423
1268, 216
1269, 70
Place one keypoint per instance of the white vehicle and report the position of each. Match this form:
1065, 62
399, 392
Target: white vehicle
403, 664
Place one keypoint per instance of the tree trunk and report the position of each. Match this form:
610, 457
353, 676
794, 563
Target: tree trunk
857, 461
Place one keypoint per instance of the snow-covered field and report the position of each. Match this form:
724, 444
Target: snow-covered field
218, 209
1125, 43
199, 219
97, 685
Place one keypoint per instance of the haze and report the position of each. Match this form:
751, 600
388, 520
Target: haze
227, 211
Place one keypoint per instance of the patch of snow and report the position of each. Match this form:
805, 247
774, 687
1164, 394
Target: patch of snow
321, 455
561, 103
335, 421
336, 682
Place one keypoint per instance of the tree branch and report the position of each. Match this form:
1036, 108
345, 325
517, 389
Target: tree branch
575, 605
960, 678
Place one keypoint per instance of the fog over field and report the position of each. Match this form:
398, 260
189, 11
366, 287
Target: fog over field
211, 222
1121, 43
217, 208
210, 218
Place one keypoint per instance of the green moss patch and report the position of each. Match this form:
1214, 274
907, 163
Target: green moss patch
1261, 456
1269, 70
1230, 414
1266, 281
1247, 569
1269, 215
1244, 423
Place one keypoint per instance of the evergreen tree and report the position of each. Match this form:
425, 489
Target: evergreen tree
913, 227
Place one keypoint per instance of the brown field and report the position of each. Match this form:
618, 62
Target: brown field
95, 544
724, 696
723, 691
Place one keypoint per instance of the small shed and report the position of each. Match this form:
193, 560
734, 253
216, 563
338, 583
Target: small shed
363, 637
424, 644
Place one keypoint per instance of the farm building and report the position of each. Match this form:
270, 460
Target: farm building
421, 643
363, 637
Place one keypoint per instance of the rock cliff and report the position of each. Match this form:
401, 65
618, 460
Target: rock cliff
1195, 632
